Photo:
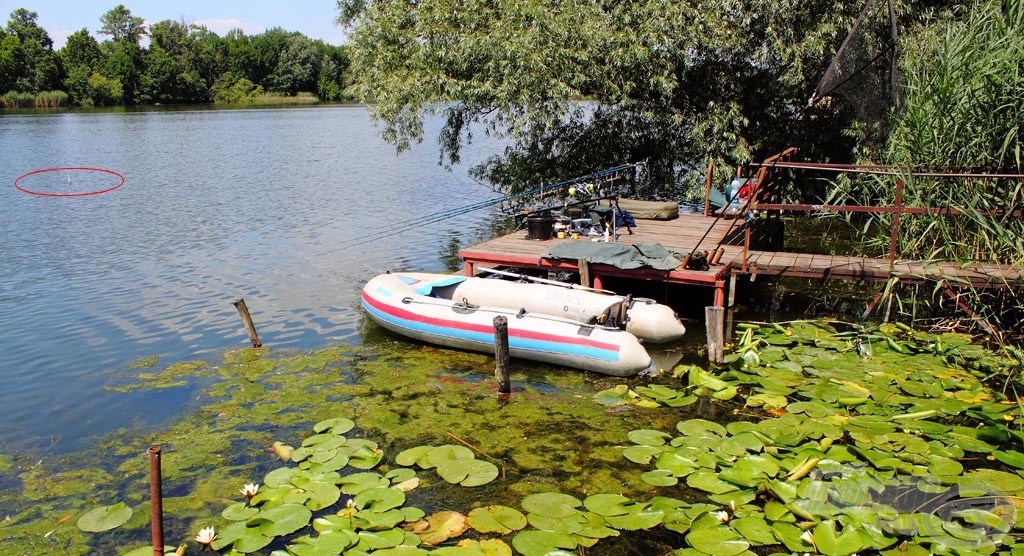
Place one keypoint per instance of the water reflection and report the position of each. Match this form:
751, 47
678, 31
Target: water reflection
267, 205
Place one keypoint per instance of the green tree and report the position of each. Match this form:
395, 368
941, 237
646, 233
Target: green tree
677, 84
29, 59
80, 56
122, 26
298, 67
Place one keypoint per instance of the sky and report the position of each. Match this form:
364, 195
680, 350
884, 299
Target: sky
60, 18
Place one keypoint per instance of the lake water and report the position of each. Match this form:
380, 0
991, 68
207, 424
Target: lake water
290, 209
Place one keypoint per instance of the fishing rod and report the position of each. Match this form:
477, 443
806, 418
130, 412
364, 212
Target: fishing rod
459, 211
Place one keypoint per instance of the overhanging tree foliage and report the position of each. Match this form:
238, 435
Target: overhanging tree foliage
677, 84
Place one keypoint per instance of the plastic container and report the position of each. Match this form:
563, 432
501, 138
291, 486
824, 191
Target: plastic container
539, 227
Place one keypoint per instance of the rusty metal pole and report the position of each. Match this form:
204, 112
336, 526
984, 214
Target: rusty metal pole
895, 225
156, 520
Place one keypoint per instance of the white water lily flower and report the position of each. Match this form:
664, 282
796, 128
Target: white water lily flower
722, 516
250, 489
807, 537
206, 536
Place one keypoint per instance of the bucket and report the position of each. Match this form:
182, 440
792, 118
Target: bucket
539, 227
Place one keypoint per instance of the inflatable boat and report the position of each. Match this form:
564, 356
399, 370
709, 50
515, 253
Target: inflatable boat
459, 311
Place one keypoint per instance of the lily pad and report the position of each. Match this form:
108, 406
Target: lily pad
496, 519
551, 504
443, 526
717, 541
542, 543
105, 518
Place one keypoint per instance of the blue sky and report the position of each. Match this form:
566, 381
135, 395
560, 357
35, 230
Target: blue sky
313, 18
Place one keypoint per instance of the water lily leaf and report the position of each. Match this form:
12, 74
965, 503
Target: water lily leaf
735, 498
640, 517
708, 481
358, 482
619, 395
466, 547
642, 454
754, 529
608, 504
496, 519
321, 495
831, 543
941, 466
767, 401
647, 437
379, 499
467, 472
330, 542
659, 477
443, 526
279, 477
281, 520
400, 474
997, 481
717, 541
414, 456
790, 535
379, 521
376, 540
542, 543
105, 518
677, 464
241, 538
1012, 458
569, 526
365, 457
551, 504
238, 512
338, 425
448, 453
701, 427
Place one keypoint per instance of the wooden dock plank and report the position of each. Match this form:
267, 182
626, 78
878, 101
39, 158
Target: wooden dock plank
695, 231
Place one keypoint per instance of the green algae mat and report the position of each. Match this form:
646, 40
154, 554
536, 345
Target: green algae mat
814, 437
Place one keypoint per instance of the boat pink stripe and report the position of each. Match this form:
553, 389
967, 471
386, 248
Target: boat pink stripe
527, 334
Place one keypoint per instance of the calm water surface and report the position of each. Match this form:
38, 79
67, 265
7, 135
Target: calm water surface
274, 206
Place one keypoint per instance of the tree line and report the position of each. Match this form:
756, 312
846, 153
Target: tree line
182, 64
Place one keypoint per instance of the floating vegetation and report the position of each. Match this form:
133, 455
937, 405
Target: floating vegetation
814, 437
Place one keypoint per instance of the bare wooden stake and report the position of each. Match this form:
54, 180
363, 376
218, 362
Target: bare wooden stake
243, 311
715, 321
501, 354
584, 267
156, 501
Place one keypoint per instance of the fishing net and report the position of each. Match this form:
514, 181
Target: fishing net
863, 72
69, 182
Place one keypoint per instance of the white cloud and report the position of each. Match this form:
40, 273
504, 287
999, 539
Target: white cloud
222, 25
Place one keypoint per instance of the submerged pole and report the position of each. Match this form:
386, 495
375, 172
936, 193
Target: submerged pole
156, 500
247, 321
501, 354
715, 321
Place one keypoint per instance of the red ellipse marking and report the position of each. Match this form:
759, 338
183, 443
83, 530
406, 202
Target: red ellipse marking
66, 169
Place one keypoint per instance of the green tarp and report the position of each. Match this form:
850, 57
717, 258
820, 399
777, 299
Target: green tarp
619, 255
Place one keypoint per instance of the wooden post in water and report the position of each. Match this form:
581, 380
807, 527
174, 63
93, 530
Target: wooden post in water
715, 321
501, 354
156, 501
243, 311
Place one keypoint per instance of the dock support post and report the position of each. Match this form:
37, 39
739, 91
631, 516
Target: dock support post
732, 290
156, 501
501, 354
247, 321
584, 267
715, 321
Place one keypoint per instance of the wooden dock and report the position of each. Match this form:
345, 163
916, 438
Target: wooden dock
682, 235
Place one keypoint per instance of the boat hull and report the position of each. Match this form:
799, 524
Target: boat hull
402, 304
